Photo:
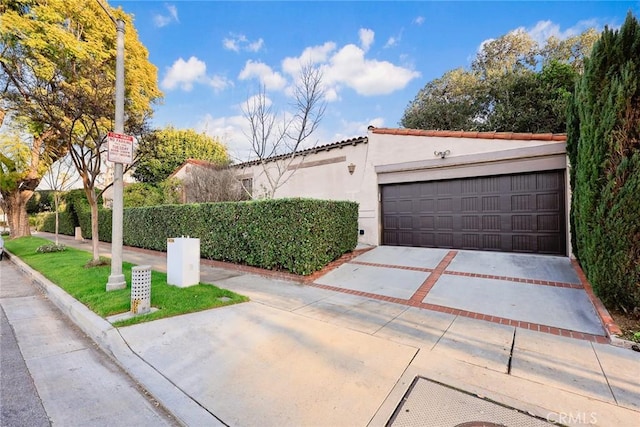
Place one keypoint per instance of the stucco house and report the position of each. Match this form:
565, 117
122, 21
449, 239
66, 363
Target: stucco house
450, 189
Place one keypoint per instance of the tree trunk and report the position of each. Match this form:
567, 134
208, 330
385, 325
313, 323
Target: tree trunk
95, 238
16, 205
56, 201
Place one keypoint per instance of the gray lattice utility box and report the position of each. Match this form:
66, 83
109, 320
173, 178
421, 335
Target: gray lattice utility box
141, 289
183, 261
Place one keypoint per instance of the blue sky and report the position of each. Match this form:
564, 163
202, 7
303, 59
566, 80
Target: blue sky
375, 55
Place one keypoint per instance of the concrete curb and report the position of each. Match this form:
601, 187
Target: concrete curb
185, 409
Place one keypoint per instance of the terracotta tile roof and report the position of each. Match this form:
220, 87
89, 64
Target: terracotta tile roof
195, 162
313, 150
467, 134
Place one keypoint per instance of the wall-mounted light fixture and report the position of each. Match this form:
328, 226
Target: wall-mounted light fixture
442, 154
351, 168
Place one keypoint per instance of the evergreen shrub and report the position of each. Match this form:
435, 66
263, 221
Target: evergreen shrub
297, 235
603, 143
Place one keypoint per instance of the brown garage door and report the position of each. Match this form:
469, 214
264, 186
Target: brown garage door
509, 213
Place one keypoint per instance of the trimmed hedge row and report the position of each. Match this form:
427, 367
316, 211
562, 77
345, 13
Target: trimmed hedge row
69, 220
297, 235
66, 224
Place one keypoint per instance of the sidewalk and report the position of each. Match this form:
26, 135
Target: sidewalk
301, 355
52, 374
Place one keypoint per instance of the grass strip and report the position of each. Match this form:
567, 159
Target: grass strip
88, 284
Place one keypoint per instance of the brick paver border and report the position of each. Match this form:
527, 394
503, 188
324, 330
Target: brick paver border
414, 301
473, 315
603, 313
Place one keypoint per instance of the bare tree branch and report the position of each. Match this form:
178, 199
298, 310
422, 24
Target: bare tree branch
277, 142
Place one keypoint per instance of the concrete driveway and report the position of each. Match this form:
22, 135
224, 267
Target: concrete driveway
334, 355
536, 292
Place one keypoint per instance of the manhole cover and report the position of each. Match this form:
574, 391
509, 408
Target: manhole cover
429, 403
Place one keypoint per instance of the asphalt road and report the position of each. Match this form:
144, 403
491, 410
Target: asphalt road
21, 405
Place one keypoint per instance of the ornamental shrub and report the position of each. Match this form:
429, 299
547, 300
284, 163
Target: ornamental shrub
297, 235
603, 143
65, 223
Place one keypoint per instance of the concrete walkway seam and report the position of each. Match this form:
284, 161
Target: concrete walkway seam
183, 407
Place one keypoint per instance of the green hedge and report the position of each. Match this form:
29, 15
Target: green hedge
602, 142
66, 224
104, 222
297, 235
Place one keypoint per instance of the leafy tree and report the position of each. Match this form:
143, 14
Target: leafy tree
58, 62
513, 86
60, 178
22, 163
142, 194
603, 143
451, 102
166, 149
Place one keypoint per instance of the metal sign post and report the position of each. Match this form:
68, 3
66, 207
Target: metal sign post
116, 278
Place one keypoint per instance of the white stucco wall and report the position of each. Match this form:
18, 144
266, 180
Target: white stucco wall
388, 158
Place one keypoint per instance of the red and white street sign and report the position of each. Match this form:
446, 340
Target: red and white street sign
119, 148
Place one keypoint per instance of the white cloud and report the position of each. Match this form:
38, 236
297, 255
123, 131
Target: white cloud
366, 76
231, 131
272, 80
394, 40
238, 42
354, 129
348, 67
419, 20
163, 20
331, 94
255, 99
391, 42
255, 46
310, 56
231, 44
366, 38
219, 83
184, 74
545, 29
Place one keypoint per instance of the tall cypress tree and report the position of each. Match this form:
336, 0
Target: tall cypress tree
603, 144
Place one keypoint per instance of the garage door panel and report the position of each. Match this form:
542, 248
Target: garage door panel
444, 223
491, 204
549, 182
521, 213
490, 184
427, 205
549, 223
445, 205
523, 223
426, 240
548, 202
470, 204
521, 203
444, 240
492, 242
471, 223
549, 245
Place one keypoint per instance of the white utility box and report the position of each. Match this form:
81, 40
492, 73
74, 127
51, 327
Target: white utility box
183, 261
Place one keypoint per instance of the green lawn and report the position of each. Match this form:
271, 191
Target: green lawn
88, 285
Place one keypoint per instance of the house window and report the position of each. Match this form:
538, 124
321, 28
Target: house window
247, 187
